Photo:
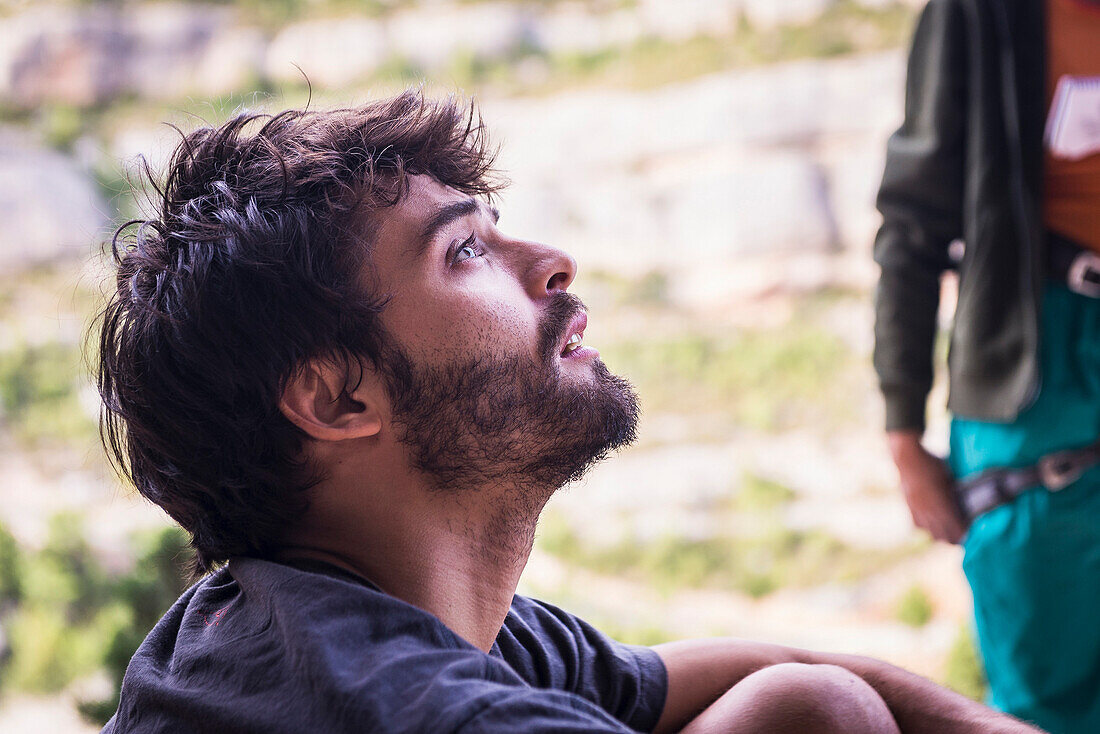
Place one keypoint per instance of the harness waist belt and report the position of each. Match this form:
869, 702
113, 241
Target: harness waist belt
1076, 266
996, 487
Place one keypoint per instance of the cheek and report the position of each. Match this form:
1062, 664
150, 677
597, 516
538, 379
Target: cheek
454, 328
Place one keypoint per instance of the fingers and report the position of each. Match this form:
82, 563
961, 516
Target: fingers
929, 492
936, 513
947, 529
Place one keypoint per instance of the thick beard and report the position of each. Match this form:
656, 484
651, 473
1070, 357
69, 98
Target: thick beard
507, 420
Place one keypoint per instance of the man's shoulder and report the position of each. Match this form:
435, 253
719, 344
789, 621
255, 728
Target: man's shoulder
268, 647
333, 623
261, 646
539, 625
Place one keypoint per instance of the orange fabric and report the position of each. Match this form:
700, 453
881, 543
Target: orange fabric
1071, 189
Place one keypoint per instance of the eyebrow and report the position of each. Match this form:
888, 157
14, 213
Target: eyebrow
447, 214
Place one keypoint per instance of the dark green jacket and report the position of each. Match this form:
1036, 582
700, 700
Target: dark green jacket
965, 165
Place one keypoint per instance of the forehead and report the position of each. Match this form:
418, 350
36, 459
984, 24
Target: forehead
425, 198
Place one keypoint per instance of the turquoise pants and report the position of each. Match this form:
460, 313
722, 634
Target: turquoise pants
1034, 565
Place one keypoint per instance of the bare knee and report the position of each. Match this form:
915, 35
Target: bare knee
823, 698
793, 697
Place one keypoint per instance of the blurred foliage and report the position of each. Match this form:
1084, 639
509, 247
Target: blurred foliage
65, 574
144, 594
650, 289
48, 653
66, 617
46, 394
118, 191
39, 393
757, 563
647, 635
275, 13
56, 629
846, 27
914, 607
757, 493
963, 671
288, 10
60, 125
11, 570
398, 69
766, 380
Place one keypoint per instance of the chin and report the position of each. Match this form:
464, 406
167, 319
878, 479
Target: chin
487, 420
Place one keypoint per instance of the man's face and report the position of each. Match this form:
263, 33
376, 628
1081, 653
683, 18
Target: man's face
486, 378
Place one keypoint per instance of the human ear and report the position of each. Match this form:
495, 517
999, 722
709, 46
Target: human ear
319, 400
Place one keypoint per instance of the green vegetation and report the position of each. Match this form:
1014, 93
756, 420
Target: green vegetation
963, 671
274, 13
844, 28
650, 289
57, 627
757, 556
60, 125
141, 597
117, 190
915, 607
646, 635
66, 617
11, 571
766, 380
757, 494
45, 387
39, 389
757, 563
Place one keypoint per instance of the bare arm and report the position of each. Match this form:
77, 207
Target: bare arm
702, 671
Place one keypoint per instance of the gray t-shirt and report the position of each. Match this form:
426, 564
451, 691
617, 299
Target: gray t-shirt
266, 647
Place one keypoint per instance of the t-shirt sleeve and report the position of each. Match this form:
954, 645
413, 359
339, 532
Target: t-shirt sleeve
551, 649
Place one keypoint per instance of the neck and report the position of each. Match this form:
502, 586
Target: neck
457, 555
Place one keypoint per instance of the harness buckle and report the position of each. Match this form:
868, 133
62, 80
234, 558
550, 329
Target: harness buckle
1083, 275
1059, 470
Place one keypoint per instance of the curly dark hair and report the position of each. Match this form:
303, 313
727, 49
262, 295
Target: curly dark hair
249, 268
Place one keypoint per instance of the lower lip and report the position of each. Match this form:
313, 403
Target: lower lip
581, 352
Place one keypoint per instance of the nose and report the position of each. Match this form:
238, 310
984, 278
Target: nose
550, 271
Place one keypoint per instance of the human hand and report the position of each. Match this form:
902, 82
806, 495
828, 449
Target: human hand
928, 487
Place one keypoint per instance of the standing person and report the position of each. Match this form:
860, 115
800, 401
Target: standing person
971, 162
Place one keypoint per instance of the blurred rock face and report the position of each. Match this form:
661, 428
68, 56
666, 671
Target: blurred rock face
690, 177
777, 159
49, 207
91, 54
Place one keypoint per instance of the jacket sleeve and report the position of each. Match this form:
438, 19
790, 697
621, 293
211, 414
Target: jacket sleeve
921, 200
